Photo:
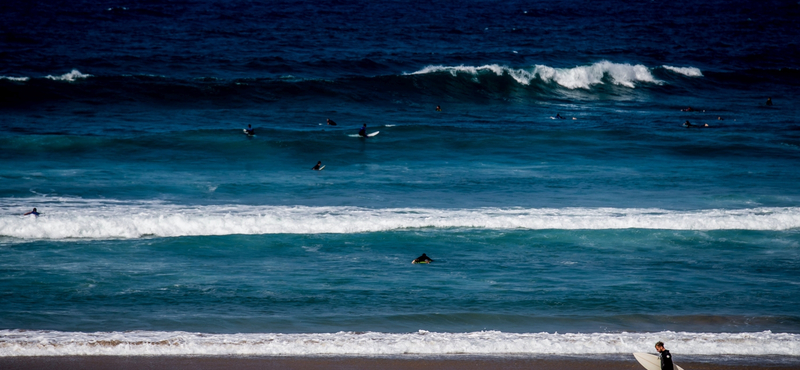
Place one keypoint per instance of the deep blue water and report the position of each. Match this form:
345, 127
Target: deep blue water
123, 122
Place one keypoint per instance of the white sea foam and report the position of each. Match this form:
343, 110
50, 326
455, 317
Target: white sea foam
108, 219
148, 343
71, 76
686, 71
19, 79
580, 77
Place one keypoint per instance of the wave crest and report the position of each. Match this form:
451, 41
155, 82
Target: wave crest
580, 77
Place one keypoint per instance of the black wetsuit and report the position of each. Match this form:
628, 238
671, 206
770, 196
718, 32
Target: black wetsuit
666, 360
423, 258
362, 132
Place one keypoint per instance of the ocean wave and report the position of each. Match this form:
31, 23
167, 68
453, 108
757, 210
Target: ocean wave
580, 77
102, 219
18, 79
70, 77
686, 71
149, 343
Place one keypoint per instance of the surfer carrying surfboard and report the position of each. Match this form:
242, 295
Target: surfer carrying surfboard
664, 356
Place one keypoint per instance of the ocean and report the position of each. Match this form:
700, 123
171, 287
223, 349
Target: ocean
567, 208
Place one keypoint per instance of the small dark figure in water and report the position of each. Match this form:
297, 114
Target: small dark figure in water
558, 115
33, 213
688, 124
250, 130
317, 167
438, 108
422, 259
331, 123
769, 102
363, 131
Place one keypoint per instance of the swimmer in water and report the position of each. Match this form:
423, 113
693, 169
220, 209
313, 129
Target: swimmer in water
422, 259
34, 212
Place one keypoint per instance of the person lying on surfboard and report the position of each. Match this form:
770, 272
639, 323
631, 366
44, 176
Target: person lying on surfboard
33, 213
422, 259
331, 123
558, 116
363, 131
317, 167
665, 356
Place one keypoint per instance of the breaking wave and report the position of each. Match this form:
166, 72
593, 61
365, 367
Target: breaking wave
104, 219
149, 343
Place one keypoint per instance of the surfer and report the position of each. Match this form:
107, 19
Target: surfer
690, 109
250, 130
317, 167
438, 108
363, 131
422, 259
34, 212
558, 115
769, 102
331, 123
687, 124
664, 356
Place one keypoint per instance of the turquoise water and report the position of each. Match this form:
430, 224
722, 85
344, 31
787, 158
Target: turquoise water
165, 230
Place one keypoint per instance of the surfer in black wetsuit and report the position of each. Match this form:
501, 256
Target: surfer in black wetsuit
438, 108
769, 102
33, 213
316, 168
363, 131
687, 124
331, 123
422, 259
664, 356
558, 115
250, 130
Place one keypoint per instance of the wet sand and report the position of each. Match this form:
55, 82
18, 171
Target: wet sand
350, 363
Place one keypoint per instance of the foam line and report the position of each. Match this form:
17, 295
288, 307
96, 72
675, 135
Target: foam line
149, 343
106, 219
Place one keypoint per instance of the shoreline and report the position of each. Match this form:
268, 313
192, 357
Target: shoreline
358, 363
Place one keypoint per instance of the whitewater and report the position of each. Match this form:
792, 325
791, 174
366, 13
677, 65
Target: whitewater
103, 219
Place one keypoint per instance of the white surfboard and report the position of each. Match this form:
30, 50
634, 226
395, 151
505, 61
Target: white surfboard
322, 168
370, 134
650, 362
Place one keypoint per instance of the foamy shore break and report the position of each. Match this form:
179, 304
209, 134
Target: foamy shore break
422, 343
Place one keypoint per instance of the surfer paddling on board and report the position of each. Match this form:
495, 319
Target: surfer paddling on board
331, 123
317, 167
664, 356
33, 213
363, 131
422, 259
687, 124
558, 116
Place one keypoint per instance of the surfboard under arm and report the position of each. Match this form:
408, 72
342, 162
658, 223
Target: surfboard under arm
650, 362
